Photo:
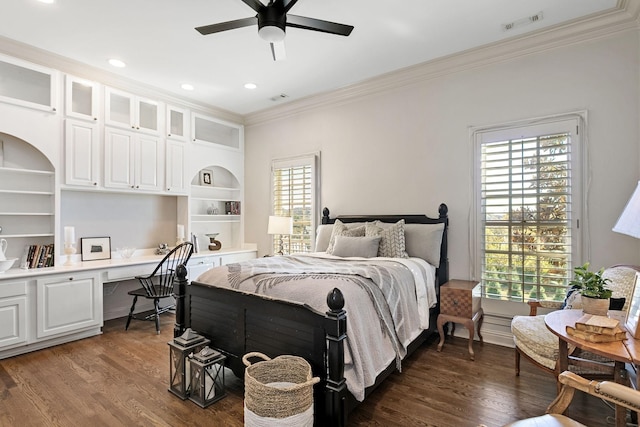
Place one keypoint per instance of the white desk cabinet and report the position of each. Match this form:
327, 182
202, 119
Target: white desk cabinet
13, 313
68, 303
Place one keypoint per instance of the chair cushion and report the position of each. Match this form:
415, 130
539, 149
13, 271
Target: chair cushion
549, 420
622, 281
531, 336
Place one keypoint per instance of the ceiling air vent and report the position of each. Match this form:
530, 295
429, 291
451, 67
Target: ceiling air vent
279, 97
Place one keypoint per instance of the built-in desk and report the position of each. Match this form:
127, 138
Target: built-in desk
43, 307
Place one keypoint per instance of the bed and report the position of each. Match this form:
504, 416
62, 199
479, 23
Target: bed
238, 321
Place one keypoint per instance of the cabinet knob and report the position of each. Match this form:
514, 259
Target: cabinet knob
137, 186
95, 183
70, 278
95, 118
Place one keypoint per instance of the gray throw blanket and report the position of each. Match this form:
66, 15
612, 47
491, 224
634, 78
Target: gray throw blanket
376, 291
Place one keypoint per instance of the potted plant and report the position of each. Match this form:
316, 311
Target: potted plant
593, 289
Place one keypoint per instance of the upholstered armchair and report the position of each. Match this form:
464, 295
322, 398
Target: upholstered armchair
615, 393
537, 344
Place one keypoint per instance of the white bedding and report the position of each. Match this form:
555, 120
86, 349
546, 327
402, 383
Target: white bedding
369, 349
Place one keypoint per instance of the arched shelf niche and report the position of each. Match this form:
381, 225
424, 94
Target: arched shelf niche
27, 196
215, 207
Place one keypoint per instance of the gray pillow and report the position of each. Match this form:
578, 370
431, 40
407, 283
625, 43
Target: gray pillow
340, 229
364, 247
392, 243
424, 241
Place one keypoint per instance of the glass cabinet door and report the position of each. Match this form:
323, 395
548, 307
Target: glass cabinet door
81, 98
27, 84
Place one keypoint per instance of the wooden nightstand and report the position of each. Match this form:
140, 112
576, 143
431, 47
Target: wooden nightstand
460, 302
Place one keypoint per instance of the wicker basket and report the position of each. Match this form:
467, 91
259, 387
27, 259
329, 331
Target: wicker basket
278, 388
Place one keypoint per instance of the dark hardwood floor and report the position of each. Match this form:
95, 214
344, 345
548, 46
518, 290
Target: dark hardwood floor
121, 378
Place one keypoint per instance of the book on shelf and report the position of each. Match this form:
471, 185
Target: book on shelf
618, 334
39, 256
599, 324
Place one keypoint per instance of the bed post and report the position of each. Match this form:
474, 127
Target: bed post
325, 216
443, 268
179, 291
336, 387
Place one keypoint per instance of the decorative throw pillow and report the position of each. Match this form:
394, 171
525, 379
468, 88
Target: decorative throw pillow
340, 229
392, 243
364, 247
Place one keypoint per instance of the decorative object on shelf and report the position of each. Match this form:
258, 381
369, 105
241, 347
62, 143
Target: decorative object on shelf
214, 245
280, 225
3, 249
212, 210
593, 289
6, 264
633, 316
206, 177
39, 256
95, 248
196, 244
179, 368
180, 238
162, 249
126, 252
69, 244
207, 383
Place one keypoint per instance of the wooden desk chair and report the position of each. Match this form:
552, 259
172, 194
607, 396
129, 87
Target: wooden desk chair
536, 343
159, 284
612, 392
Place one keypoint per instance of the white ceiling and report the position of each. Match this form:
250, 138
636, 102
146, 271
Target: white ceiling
158, 42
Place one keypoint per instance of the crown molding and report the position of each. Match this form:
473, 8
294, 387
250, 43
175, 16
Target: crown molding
78, 69
623, 17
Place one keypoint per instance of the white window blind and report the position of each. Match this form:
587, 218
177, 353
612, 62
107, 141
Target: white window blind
294, 195
528, 189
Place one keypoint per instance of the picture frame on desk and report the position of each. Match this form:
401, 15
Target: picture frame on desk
633, 316
95, 248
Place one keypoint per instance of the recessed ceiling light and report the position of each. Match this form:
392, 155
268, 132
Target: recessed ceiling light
117, 63
187, 86
250, 86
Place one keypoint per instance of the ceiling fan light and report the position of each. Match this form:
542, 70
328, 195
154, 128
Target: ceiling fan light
271, 33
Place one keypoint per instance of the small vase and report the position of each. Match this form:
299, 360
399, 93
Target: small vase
597, 306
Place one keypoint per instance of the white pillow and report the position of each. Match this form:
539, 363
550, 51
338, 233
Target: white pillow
364, 247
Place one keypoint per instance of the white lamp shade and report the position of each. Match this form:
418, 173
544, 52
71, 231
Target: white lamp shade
629, 221
280, 225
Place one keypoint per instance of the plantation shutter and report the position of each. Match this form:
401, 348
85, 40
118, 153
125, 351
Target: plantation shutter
526, 210
294, 194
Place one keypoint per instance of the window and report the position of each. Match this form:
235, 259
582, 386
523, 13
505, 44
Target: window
294, 194
528, 208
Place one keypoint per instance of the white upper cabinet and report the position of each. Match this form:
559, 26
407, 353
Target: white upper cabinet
176, 167
27, 84
177, 123
213, 131
129, 111
81, 98
133, 161
82, 153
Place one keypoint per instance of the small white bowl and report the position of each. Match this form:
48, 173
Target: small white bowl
126, 252
6, 264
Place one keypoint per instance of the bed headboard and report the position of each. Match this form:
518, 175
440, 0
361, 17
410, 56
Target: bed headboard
443, 268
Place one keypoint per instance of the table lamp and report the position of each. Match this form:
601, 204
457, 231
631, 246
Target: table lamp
280, 225
629, 221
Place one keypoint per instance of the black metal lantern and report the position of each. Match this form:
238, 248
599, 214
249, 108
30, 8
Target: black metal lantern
207, 377
179, 350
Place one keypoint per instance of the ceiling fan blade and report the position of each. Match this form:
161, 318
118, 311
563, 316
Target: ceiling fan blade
288, 4
278, 51
305, 23
256, 5
229, 25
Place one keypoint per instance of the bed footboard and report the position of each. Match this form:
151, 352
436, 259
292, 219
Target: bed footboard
238, 323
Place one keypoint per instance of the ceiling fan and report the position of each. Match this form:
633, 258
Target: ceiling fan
272, 19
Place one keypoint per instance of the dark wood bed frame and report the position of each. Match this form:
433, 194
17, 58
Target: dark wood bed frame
238, 323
